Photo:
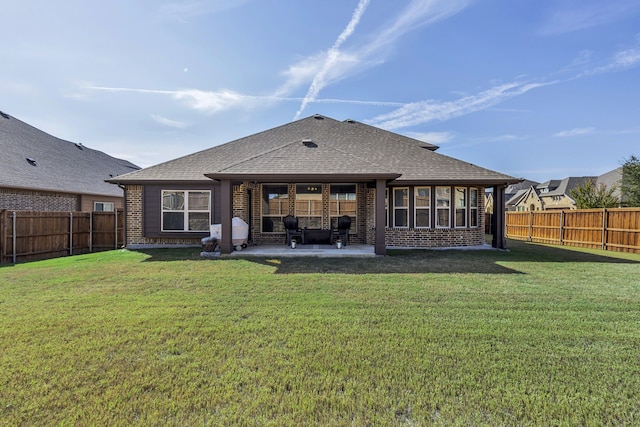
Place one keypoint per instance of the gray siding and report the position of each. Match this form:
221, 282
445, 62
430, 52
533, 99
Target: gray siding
152, 207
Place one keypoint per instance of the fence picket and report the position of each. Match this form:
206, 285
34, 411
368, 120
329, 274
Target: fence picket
615, 229
30, 235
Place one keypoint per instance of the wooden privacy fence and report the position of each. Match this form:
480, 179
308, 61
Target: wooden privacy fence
610, 229
29, 235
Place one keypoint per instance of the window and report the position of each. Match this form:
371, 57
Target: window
473, 207
275, 206
342, 201
400, 207
186, 210
461, 207
309, 205
443, 206
423, 207
103, 207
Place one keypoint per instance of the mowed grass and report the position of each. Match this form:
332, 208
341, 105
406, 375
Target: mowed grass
537, 335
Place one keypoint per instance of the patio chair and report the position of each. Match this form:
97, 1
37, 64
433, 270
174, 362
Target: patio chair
291, 227
342, 232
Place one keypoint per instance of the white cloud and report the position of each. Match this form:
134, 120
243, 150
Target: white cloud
426, 111
587, 14
431, 137
575, 132
168, 122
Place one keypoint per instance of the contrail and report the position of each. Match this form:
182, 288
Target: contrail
319, 80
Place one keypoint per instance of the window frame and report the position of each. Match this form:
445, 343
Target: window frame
443, 208
282, 212
421, 208
111, 204
457, 208
354, 216
308, 217
185, 211
475, 208
399, 208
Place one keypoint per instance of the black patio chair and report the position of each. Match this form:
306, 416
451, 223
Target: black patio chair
342, 232
291, 227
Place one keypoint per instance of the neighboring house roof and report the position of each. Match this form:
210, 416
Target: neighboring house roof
518, 196
320, 146
565, 186
34, 160
514, 189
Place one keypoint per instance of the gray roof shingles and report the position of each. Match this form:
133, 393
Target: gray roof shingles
343, 147
60, 165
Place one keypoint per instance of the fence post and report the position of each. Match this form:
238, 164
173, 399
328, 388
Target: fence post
561, 227
90, 232
70, 233
530, 226
115, 220
14, 237
604, 228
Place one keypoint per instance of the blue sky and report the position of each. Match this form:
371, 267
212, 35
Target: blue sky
541, 89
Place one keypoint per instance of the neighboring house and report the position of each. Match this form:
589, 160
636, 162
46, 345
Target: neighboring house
515, 192
525, 200
550, 195
397, 190
560, 196
39, 172
613, 179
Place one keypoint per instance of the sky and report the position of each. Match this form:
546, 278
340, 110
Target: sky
537, 89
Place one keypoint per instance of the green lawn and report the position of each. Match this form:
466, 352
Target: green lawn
537, 335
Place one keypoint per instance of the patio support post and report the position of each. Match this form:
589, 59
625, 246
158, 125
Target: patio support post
226, 201
497, 227
380, 244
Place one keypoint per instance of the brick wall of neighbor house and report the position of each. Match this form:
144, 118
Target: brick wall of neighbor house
28, 200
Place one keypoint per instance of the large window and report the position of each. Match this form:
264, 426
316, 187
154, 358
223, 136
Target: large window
443, 206
400, 207
342, 201
275, 206
186, 210
473, 207
309, 205
422, 204
461, 207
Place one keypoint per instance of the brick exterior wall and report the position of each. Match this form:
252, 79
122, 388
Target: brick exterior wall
28, 200
399, 237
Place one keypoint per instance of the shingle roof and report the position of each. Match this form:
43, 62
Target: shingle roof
58, 165
341, 148
566, 185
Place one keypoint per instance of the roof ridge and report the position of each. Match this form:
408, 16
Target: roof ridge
279, 147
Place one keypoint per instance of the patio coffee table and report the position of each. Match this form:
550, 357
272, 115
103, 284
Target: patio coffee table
316, 235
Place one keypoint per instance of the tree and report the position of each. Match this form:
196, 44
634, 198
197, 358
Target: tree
590, 196
630, 187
